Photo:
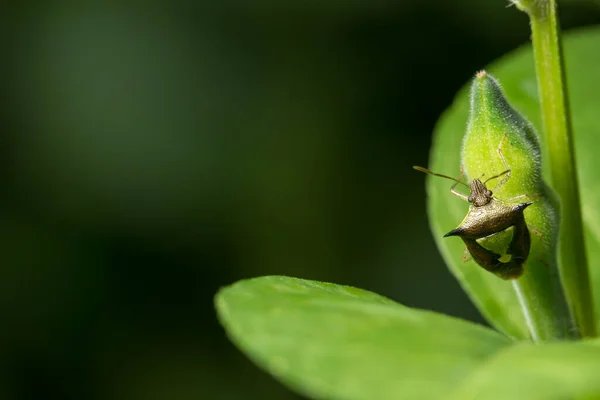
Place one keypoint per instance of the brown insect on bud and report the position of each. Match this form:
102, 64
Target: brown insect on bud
488, 216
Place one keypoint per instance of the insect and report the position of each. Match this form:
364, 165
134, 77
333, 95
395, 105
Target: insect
487, 217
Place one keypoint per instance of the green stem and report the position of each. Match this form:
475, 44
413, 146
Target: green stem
557, 128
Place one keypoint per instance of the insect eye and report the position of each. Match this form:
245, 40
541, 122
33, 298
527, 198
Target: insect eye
470, 199
488, 193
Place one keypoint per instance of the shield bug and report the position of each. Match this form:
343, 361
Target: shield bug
487, 217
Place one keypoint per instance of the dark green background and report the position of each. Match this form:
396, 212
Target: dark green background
152, 153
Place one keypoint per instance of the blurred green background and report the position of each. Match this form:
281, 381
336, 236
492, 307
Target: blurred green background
154, 152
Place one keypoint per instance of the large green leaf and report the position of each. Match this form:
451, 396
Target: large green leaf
338, 342
555, 371
496, 298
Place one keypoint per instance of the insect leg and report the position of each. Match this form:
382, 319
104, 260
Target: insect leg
499, 150
523, 196
456, 181
458, 194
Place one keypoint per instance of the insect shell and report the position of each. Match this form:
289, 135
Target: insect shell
489, 216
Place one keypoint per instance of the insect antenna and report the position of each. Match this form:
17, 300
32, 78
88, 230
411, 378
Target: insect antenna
496, 176
425, 170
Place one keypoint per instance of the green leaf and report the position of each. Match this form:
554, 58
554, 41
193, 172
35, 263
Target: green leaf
553, 371
496, 298
337, 342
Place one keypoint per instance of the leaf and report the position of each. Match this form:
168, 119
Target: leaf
337, 342
551, 371
495, 298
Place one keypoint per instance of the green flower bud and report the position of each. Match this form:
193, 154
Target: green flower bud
501, 142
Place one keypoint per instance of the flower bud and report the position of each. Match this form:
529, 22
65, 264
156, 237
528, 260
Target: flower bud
499, 141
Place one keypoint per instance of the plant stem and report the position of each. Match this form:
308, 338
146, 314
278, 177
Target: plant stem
557, 128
